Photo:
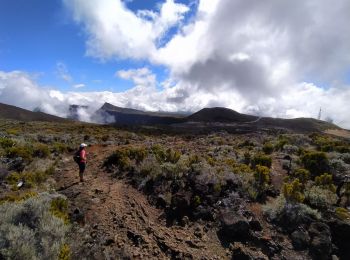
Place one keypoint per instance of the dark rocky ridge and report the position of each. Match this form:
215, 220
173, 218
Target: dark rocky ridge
16, 113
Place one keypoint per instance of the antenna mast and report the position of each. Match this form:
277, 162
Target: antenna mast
319, 114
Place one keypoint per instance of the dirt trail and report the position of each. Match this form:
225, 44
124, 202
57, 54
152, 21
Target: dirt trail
117, 221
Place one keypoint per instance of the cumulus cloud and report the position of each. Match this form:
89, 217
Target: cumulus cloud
114, 31
262, 57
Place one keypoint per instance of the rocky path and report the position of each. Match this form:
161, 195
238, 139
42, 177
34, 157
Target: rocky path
113, 220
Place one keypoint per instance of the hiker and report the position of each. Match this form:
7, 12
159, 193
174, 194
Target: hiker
80, 158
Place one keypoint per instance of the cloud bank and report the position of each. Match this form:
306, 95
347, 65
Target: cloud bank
272, 58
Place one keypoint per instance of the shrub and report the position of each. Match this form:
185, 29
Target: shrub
60, 148
12, 131
6, 142
29, 231
163, 155
290, 149
59, 208
137, 154
316, 162
150, 167
342, 213
302, 174
346, 158
41, 150
261, 159
319, 197
65, 253
262, 175
30, 178
325, 181
17, 198
196, 200
119, 159
293, 192
242, 168
289, 215
282, 141
268, 148
26, 152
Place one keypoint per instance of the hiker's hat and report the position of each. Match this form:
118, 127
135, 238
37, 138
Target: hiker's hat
83, 145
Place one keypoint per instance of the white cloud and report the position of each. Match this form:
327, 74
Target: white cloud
81, 85
114, 31
295, 102
255, 56
140, 77
62, 72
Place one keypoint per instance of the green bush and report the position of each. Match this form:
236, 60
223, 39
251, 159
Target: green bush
65, 253
342, 213
18, 197
59, 148
41, 150
137, 154
261, 159
293, 192
26, 152
59, 208
168, 155
262, 176
30, 178
268, 148
302, 174
325, 181
119, 159
281, 142
6, 142
316, 162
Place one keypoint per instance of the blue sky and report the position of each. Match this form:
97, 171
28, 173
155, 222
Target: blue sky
36, 35
274, 58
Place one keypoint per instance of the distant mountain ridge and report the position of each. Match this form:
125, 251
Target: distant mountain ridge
16, 113
220, 114
109, 113
207, 118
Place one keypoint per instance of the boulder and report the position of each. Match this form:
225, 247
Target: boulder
300, 239
320, 240
3, 173
242, 252
340, 231
233, 227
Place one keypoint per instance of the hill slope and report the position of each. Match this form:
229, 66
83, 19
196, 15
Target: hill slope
224, 115
16, 113
109, 113
220, 114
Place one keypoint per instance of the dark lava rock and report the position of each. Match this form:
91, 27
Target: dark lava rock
241, 252
340, 231
300, 239
16, 164
320, 240
3, 173
255, 225
78, 216
233, 227
180, 207
204, 213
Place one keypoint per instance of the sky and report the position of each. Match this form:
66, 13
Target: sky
276, 58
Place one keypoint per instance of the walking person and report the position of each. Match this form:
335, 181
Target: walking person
80, 159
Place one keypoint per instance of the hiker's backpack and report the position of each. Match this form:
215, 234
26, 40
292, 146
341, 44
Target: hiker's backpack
76, 156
